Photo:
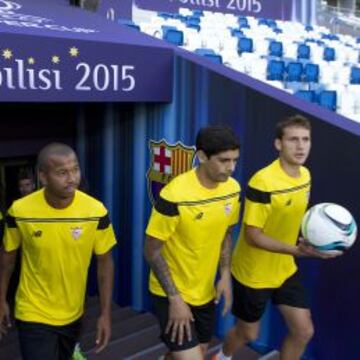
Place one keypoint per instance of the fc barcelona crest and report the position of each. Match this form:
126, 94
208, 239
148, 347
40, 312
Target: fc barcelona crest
166, 162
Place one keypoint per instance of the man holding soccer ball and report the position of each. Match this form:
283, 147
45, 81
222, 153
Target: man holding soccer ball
263, 265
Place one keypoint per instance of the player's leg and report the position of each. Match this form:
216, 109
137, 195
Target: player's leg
189, 349
68, 337
248, 306
301, 330
37, 341
293, 304
205, 319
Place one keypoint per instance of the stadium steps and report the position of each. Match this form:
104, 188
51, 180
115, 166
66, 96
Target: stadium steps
135, 336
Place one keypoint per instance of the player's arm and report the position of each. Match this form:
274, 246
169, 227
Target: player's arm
12, 241
180, 314
256, 237
7, 265
105, 276
104, 241
223, 287
158, 265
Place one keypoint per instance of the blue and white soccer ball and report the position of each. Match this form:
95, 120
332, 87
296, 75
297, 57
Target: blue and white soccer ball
329, 228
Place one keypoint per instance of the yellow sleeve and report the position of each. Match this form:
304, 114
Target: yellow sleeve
257, 203
105, 237
164, 217
236, 211
12, 236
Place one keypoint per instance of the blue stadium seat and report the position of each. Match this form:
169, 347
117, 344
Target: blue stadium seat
294, 71
209, 54
311, 73
329, 54
243, 22
173, 36
193, 26
180, 17
165, 15
198, 13
193, 20
236, 32
308, 95
277, 31
245, 45
276, 48
328, 99
262, 21
128, 23
355, 75
272, 23
275, 70
309, 28
303, 52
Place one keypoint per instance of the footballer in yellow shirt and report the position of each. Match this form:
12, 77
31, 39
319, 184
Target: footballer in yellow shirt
263, 265
58, 228
188, 238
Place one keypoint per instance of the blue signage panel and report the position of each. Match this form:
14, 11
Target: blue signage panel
274, 9
65, 54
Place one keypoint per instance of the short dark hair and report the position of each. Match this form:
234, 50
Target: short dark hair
215, 139
50, 150
291, 121
25, 174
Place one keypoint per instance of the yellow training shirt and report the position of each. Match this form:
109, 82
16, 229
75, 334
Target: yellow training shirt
56, 249
276, 203
192, 221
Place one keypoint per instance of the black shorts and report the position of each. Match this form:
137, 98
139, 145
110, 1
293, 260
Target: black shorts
249, 303
202, 328
40, 341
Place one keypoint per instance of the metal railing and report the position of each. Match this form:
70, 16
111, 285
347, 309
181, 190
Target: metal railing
339, 20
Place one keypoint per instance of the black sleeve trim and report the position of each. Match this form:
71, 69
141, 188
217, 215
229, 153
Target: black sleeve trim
10, 221
166, 207
104, 222
258, 196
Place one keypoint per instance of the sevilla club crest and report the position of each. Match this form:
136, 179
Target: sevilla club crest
166, 162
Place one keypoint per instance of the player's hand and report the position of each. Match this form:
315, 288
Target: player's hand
223, 288
180, 318
305, 249
103, 332
5, 322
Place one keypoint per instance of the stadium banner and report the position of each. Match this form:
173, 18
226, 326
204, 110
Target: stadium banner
272, 9
57, 53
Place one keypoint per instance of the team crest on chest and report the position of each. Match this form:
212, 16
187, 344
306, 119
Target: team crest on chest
166, 162
76, 232
227, 208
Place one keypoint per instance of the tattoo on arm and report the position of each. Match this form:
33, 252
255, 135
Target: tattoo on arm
159, 266
225, 254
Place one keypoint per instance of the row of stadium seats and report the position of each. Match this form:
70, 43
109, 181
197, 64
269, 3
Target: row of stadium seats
290, 56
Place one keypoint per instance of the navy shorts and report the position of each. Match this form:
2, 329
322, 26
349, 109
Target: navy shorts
41, 341
202, 329
249, 303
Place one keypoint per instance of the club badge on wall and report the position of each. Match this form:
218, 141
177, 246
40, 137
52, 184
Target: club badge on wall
166, 162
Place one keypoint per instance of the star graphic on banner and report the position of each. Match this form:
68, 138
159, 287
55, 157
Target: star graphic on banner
74, 51
55, 59
31, 60
7, 54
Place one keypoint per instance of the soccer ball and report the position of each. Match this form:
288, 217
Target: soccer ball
329, 228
